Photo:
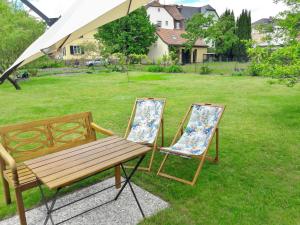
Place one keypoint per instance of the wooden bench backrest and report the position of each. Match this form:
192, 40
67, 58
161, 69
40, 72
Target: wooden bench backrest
31, 140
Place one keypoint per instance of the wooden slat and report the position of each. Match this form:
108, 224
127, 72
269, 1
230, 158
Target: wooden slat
25, 176
6, 129
72, 155
79, 160
72, 178
73, 167
44, 158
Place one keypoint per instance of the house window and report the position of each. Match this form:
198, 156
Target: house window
158, 23
76, 50
177, 25
167, 23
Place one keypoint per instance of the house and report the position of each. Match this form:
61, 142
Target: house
171, 39
165, 16
188, 11
264, 33
75, 51
170, 22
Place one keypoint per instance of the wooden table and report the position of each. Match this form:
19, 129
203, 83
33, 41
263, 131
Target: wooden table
67, 167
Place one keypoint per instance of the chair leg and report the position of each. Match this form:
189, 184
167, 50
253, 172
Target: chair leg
162, 164
162, 133
149, 167
192, 183
118, 177
151, 160
217, 145
20, 206
6, 191
198, 171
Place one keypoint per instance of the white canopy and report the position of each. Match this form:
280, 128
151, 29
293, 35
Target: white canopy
81, 18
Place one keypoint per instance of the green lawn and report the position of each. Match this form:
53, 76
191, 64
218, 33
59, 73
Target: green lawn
219, 68
258, 178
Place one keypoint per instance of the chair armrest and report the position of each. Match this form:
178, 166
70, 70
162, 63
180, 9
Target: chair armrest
101, 130
8, 159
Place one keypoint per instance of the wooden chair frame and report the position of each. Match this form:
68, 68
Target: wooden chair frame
161, 129
202, 157
12, 172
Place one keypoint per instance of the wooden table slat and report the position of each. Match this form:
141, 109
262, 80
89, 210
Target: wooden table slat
82, 161
80, 166
70, 179
69, 166
86, 152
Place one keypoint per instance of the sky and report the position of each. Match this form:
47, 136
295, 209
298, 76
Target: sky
259, 8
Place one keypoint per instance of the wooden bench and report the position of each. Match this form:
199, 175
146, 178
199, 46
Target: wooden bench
22, 142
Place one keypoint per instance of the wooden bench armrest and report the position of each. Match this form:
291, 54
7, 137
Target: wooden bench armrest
101, 130
8, 159
11, 163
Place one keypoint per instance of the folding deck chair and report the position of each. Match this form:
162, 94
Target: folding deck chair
194, 142
145, 123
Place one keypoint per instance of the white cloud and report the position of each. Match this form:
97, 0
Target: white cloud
259, 8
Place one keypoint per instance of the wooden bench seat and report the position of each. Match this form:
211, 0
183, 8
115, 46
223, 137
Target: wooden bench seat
27, 179
22, 142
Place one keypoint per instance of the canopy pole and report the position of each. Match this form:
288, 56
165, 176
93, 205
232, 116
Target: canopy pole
5, 76
14, 83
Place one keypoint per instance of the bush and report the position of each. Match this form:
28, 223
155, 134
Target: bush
174, 69
280, 62
45, 62
205, 70
155, 69
33, 72
237, 73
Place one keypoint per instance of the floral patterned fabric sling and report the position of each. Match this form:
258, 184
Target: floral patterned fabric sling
146, 123
199, 130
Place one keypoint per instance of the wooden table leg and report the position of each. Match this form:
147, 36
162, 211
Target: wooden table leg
118, 176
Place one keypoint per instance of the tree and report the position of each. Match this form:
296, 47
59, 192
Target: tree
197, 27
289, 20
243, 32
284, 61
133, 34
221, 33
17, 31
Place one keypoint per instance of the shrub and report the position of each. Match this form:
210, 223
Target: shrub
237, 73
155, 68
280, 62
174, 69
33, 72
45, 62
205, 70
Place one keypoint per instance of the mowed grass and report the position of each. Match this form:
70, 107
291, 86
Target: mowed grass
219, 68
258, 178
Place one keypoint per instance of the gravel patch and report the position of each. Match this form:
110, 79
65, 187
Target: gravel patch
124, 211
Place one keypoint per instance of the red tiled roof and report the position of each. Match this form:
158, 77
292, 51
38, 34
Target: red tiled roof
173, 37
174, 12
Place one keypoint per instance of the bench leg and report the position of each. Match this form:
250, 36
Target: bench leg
20, 207
6, 192
118, 177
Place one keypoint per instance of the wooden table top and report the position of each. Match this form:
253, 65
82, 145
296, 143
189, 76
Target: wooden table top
66, 167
